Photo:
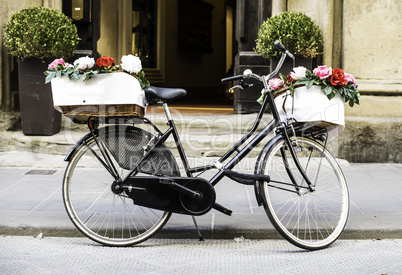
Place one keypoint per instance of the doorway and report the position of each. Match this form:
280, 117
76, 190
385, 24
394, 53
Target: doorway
151, 30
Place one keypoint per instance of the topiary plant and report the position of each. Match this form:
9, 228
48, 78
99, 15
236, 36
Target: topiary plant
41, 33
296, 31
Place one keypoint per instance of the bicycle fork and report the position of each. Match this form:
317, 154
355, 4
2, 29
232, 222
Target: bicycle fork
292, 144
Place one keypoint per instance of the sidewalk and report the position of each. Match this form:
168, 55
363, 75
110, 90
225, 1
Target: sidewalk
28, 255
31, 203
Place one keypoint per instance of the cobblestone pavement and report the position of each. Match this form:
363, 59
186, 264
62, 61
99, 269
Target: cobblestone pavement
29, 255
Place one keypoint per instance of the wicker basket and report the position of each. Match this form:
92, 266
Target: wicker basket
311, 110
81, 113
105, 95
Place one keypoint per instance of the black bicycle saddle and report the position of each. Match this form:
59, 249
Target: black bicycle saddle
165, 95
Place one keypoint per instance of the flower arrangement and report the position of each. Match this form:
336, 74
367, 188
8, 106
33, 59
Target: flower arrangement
87, 67
332, 81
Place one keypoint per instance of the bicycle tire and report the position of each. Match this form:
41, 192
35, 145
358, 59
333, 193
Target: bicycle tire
100, 214
309, 220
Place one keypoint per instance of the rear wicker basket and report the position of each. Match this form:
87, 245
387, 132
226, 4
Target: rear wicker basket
81, 113
104, 95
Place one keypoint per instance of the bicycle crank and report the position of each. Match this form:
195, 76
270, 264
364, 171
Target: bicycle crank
189, 196
198, 203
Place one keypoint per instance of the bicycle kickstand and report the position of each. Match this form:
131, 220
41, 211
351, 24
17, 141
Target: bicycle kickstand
201, 239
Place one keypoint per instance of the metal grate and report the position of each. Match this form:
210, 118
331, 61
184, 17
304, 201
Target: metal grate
41, 172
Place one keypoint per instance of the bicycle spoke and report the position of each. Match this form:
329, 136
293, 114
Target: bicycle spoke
102, 215
311, 219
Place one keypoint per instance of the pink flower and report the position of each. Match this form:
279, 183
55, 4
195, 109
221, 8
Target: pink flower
350, 78
276, 83
56, 63
323, 71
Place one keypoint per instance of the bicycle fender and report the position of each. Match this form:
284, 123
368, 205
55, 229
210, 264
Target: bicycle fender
259, 163
75, 147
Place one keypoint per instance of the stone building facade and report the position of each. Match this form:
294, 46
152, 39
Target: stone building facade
361, 37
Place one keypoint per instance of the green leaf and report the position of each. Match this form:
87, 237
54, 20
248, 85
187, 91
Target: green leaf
309, 84
283, 78
49, 77
328, 90
260, 100
331, 95
74, 75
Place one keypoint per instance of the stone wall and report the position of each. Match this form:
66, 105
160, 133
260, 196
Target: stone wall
363, 38
372, 40
370, 139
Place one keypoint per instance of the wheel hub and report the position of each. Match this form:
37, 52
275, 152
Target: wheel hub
117, 187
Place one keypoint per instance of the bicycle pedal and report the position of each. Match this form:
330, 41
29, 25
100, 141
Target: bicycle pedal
222, 209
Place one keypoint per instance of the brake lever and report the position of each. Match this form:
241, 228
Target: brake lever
246, 85
241, 86
231, 90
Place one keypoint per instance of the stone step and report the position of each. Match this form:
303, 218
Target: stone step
365, 139
201, 136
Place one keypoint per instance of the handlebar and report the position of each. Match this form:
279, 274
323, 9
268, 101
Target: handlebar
283, 49
249, 74
246, 74
231, 78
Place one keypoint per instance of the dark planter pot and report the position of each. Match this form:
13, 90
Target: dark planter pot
288, 66
38, 115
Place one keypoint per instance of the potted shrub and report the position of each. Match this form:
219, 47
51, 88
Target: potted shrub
36, 36
297, 32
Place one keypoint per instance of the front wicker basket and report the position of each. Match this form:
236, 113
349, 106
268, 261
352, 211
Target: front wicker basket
309, 127
81, 113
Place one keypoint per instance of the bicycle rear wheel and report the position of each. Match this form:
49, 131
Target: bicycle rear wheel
99, 212
308, 219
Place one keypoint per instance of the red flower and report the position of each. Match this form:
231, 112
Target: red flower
290, 78
105, 62
338, 78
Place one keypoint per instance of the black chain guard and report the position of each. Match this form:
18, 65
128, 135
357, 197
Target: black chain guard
157, 193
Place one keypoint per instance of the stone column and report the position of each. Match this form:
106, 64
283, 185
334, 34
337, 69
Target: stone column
53, 4
372, 45
278, 6
327, 30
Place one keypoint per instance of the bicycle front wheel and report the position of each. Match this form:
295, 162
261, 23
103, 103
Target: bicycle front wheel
310, 219
93, 205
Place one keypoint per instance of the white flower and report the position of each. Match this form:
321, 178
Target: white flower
85, 63
298, 72
131, 63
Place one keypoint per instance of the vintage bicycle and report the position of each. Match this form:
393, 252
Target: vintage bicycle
122, 183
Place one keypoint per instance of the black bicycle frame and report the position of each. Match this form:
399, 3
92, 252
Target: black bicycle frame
241, 153
172, 130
